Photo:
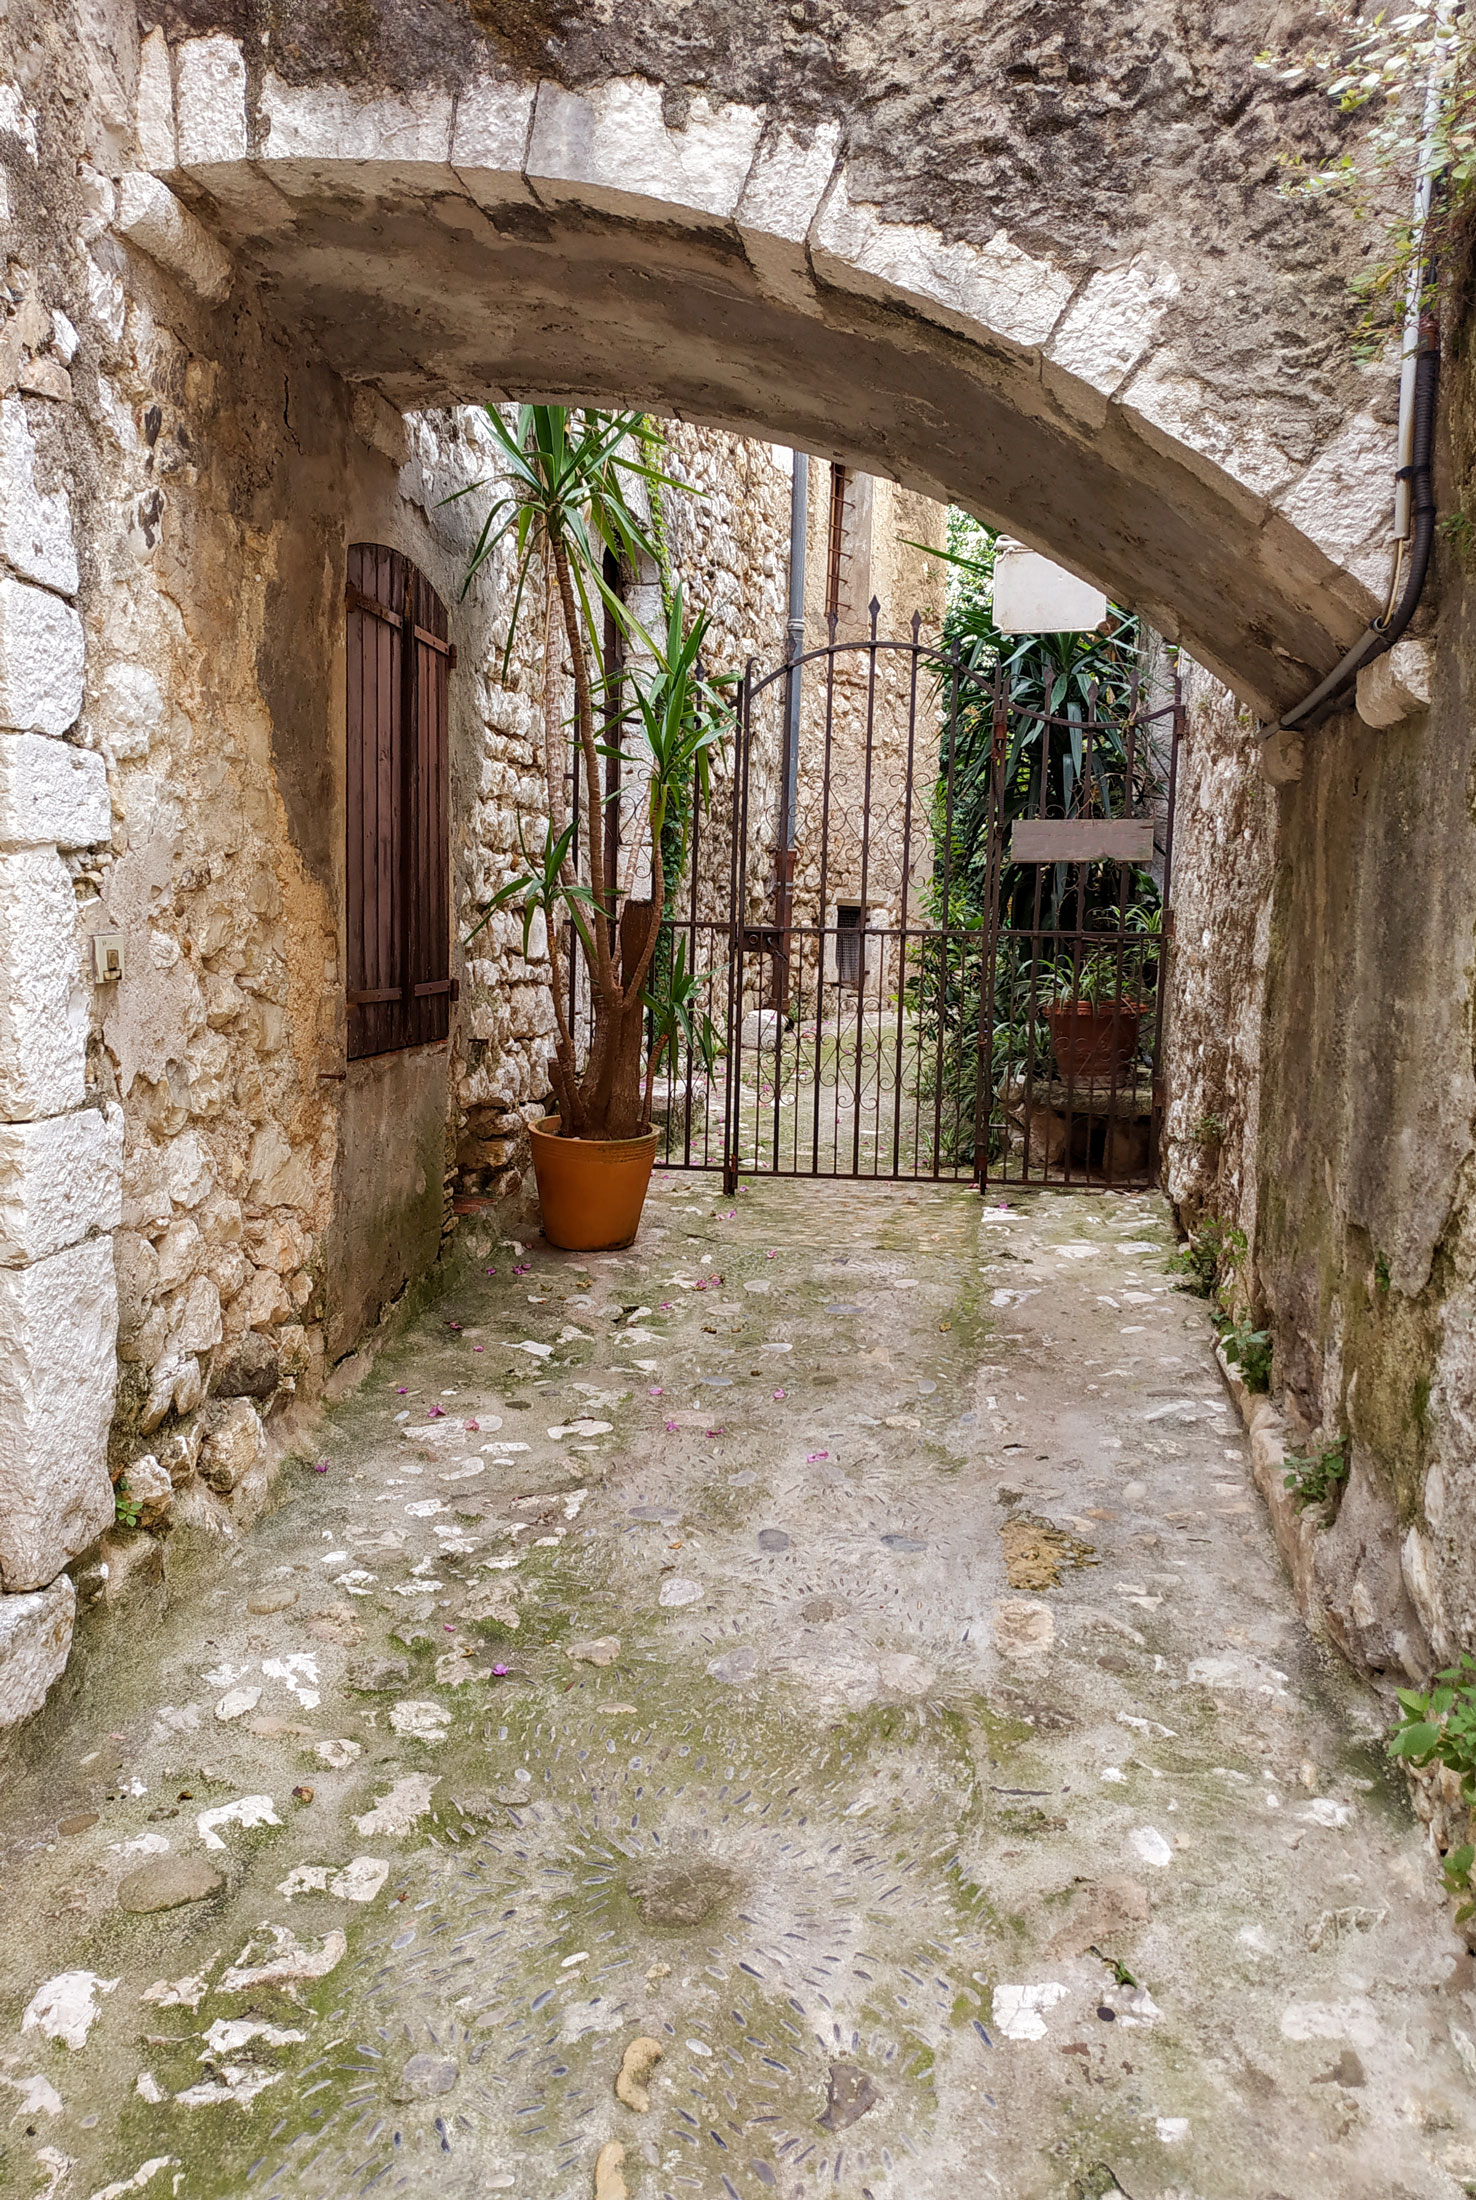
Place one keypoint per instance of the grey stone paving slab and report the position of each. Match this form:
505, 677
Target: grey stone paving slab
923, 1883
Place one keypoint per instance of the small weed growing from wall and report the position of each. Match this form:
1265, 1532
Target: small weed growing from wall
1314, 1477
1381, 1270
1460, 533
1440, 1728
1211, 1256
1210, 1131
1455, 1870
1248, 1349
126, 1509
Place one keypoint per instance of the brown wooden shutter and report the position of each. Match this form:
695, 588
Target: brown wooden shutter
398, 799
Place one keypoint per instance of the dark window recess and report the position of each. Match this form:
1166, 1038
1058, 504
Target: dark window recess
400, 987
850, 942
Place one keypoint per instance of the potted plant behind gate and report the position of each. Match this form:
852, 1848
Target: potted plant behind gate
568, 501
1094, 1017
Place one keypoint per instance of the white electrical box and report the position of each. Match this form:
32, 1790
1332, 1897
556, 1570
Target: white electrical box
1032, 596
107, 957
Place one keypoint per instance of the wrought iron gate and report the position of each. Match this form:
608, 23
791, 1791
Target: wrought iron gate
933, 926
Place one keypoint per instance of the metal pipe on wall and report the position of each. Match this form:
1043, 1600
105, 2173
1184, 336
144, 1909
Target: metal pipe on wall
799, 514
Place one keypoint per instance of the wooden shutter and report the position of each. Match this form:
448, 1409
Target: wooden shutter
398, 800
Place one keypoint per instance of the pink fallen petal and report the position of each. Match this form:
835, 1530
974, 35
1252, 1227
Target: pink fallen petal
475, 1427
499, 1670
812, 1456
778, 1394
655, 1391
438, 1413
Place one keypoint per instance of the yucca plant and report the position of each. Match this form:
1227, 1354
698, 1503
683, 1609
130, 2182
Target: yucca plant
566, 500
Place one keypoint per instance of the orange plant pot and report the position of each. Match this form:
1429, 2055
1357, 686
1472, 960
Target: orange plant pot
1095, 1043
591, 1190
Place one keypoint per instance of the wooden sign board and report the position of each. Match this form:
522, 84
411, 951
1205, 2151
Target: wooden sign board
1082, 840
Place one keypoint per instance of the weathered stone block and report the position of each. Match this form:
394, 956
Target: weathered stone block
35, 529
1395, 686
35, 1640
61, 1179
380, 425
51, 795
781, 197
317, 122
58, 1366
1178, 414
276, 1176
151, 217
129, 709
251, 1370
196, 1318
991, 290
1344, 499
1114, 321
43, 1011
234, 1442
40, 660
490, 136
147, 1489
210, 102
154, 107
611, 145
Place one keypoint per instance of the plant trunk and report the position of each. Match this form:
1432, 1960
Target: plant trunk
613, 1091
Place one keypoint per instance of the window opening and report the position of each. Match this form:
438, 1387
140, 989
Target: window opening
398, 915
850, 946
836, 549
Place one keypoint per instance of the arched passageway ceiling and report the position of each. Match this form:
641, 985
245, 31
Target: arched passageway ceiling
723, 260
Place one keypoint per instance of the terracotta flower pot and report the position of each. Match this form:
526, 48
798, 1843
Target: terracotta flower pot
591, 1190
1095, 1042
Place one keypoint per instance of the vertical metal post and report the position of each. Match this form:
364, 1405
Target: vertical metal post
903, 911
738, 903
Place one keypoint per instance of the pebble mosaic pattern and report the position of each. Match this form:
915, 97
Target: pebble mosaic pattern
634, 1658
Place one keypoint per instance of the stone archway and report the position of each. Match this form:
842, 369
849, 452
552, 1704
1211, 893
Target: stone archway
737, 265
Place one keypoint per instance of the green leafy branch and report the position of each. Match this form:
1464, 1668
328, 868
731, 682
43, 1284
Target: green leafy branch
1439, 1726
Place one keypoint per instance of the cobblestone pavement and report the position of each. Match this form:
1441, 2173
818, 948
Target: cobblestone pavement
638, 1657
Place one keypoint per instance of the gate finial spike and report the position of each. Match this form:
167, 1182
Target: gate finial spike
916, 627
874, 607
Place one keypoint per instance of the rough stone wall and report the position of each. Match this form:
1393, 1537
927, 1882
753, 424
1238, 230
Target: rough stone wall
178, 1200
1322, 1011
729, 547
1224, 868
896, 720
